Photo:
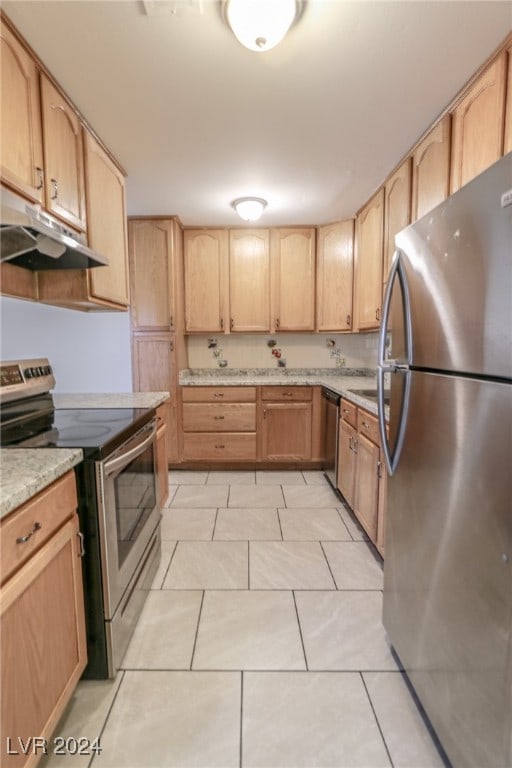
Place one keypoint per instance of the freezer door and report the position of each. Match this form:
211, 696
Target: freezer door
457, 262
448, 566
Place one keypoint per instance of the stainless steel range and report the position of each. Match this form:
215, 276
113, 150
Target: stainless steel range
118, 510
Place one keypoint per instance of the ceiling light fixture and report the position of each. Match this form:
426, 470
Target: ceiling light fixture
261, 24
249, 208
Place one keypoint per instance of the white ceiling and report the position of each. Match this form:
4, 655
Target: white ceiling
313, 125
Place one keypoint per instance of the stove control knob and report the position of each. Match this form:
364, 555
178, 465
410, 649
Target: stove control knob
50, 370
28, 373
40, 370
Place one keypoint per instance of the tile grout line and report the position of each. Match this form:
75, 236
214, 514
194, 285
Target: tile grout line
344, 523
215, 523
248, 565
197, 631
376, 719
241, 715
102, 729
300, 631
329, 566
279, 521
168, 567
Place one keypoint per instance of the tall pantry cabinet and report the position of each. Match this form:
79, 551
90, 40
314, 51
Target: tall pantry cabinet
158, 346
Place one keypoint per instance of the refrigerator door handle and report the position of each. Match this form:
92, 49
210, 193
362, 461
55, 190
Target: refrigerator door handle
392, 458
397, 271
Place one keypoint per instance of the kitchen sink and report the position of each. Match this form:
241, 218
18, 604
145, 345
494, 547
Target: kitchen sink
371, 394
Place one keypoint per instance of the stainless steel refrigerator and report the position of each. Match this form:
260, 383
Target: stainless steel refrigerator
446, 345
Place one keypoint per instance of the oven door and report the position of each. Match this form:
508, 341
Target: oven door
128, 512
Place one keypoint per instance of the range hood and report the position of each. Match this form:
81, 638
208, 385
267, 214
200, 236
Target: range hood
31, 238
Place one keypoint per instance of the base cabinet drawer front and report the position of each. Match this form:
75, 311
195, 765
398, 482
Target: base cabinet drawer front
219, 417
28, 528
287, 394
348, 412
201, 446
368, 425
218, 394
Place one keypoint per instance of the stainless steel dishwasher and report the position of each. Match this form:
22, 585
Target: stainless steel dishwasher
330, 421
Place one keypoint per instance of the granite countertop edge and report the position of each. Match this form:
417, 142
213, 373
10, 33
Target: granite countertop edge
26, 471
110, 399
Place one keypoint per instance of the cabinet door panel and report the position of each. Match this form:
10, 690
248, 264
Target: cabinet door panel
20, 126
286, 431
205, 255
63, 154
431, 169
151, 274
249, 280
370, 232
335, 268
397, 210
477, 125
346, 462
106, 223
507, 145
293, 279
367, 485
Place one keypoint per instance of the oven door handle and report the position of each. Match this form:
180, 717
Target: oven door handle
114, 465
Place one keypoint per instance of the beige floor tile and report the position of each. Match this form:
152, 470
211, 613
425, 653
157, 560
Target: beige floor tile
247, 524
248, 630
84, 717
208, 565
275, 477
343, 631
187, 477
189, 523
406, 735
314, 477
165, 559
174, 720
309, 720
165, 633
353, 526
201, 496
256, 496
353, 565
309, 496
172, 491
236, 477
314, 524
288, 565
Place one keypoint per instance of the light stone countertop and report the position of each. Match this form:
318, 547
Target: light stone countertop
26, 471
339, 380
111, 400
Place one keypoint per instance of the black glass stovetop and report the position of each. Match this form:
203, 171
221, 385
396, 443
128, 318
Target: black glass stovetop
97, 431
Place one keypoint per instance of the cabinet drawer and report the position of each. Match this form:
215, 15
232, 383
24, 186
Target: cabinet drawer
228, 445
287, 394
49, 509
218, 394
348, 412
219, 417
368, 425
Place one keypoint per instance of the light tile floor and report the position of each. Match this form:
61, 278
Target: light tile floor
261, 643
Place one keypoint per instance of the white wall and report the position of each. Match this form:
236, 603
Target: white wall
304, 350
89, 351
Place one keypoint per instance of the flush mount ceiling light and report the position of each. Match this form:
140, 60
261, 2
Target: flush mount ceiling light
249, 208
261, 24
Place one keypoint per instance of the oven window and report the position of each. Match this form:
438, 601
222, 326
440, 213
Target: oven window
135, 492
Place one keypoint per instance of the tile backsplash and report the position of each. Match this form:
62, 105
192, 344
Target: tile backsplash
294, 350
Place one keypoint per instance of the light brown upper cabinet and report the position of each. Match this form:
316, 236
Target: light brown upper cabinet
369, 253
106, 223
507, 146
397, 210
151, 249
205, 264
293, 279
334, 276
478, 125
63, 157
22, 145
249, 280
431, 169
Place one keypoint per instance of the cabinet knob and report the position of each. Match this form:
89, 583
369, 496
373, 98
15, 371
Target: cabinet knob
222, 323
349, 320
231, 323
377, 313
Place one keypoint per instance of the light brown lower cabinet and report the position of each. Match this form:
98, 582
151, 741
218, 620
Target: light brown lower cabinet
162, 452
43, 643
361, 472
285, 423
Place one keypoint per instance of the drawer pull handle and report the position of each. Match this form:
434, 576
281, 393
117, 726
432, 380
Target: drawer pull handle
24, 539
220, 446
366, 425
288, 394
218, 418
218, 394
81, 539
